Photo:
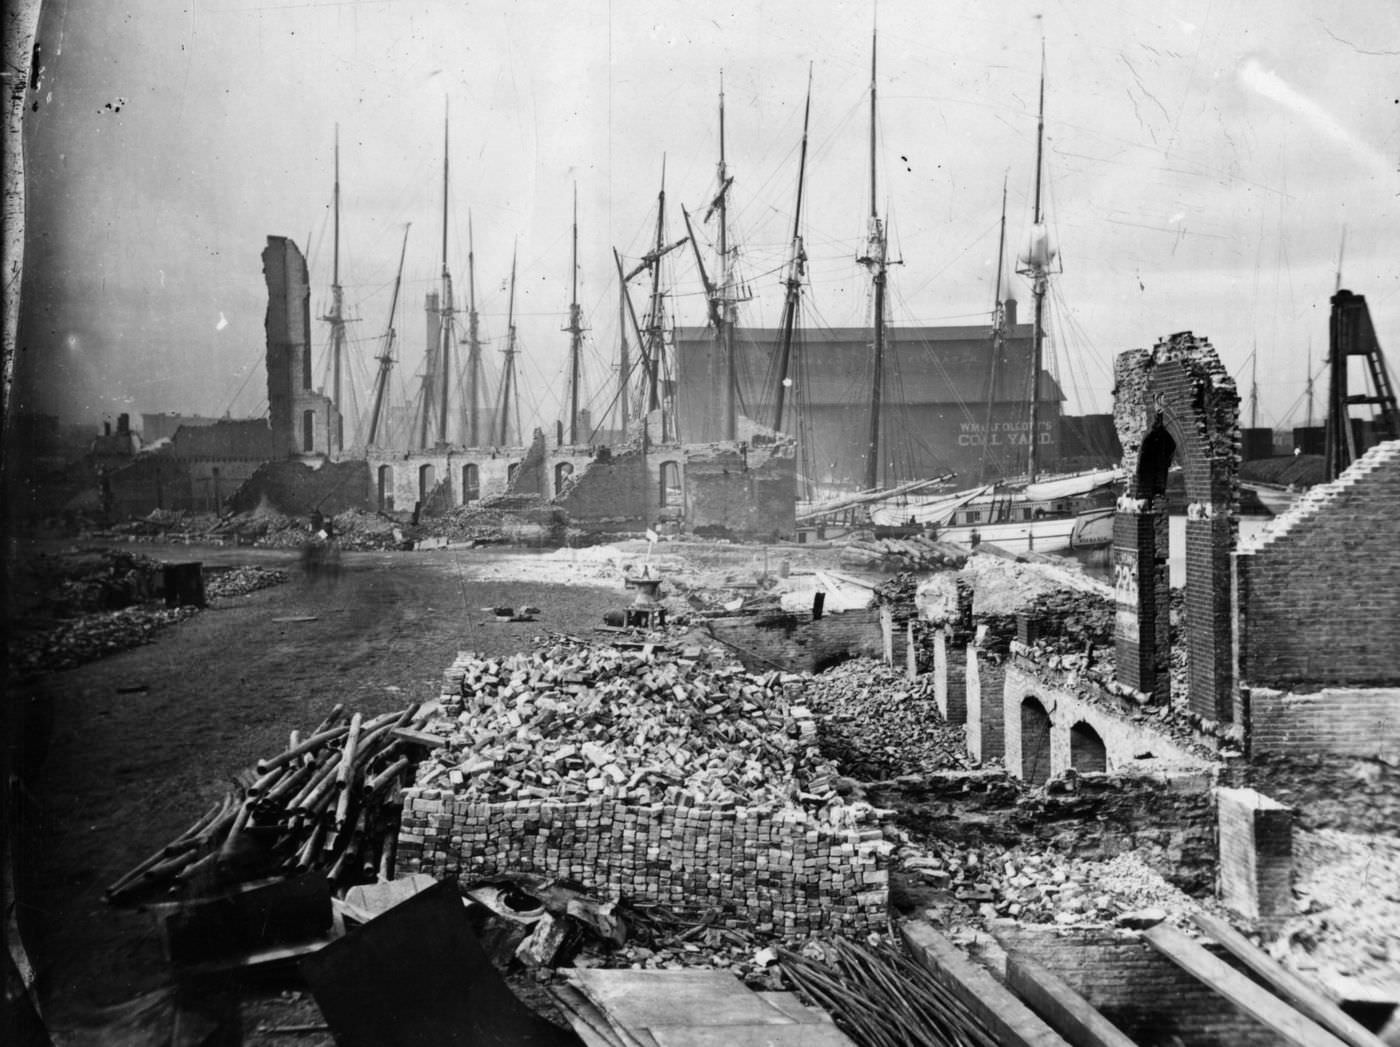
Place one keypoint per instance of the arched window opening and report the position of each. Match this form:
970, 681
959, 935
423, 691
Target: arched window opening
386, 489
562, 472
1087, 753
471, 483
1035, 742
308, 431
426, 481
670, 484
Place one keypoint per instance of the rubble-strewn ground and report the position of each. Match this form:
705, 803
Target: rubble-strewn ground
1348, 894
876, 723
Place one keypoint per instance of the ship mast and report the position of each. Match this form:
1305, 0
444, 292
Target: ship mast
796, 267
473, 345
998, 335
575, 330
508, 377
386, 358
446, 330
1037, 266
726, 276
874, 259
336, 317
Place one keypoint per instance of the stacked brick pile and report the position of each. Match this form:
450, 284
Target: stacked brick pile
660, 778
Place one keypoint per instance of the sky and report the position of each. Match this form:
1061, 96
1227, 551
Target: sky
1207, 167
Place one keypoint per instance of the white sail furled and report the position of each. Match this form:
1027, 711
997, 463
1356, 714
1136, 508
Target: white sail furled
1057, 487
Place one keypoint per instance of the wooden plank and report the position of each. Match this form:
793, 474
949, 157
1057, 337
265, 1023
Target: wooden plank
1290, 986
651, 999
1055, 1000
1010, 1021
751, 1036
1246, 994
794, 1008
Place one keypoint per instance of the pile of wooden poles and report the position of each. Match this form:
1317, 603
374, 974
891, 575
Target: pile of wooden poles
882, 998
326, 803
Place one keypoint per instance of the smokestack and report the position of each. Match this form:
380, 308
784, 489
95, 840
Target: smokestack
1009, 307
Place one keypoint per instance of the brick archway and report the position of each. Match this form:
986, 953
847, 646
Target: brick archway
1176, 402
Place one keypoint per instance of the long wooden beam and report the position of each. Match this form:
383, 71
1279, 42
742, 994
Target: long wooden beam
1295, 990
1246, 994
1005, 1017
1055, 1000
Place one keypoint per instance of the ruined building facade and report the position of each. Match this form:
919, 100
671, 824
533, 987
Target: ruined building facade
304, 420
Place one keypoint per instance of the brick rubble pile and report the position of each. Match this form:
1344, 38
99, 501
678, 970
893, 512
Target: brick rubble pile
240, 581
877, 723
657, 776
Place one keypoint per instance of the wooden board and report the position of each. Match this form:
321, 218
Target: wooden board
794, 1008
657, 999
1290, 986
1055, 1000
1246, 994
752, 1036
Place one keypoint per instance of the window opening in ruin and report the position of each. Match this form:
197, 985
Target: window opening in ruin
1035, 742
386, 489
471, 483
308, 431
511, 470
426, 480
1155, 461
670, 484
562, 472
1087, 753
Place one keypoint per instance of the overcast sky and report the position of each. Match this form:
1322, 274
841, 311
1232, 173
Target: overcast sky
1202, 161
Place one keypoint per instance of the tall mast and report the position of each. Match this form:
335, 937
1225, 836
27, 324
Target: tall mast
655, 334
508, 377
386, 358
624, 364
575, 330
796, 268
1037, 264
998, 334
729, 421
875, 260
337, 314
447, 329
473, 345
1254, 388
1309, 422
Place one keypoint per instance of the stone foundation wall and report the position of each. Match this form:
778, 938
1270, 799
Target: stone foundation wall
781, 871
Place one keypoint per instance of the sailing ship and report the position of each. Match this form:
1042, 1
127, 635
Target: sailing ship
1029, 513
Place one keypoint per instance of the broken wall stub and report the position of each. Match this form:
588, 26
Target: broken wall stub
1317, 595
746, 488
297, 489
612, 492
1176, 402
304, 421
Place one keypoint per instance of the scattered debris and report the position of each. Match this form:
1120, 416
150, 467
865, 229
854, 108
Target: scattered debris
324, 804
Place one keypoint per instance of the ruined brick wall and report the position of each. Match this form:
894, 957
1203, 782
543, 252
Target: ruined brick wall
1152, 1000
1167, 820
401, 475
1318, 594
984, 680
532, 475
798, 643
1126, 734
290, 394
746, 489
1176, 399
781, 871
614, 492
295, 488
1256, 854
153, 481
1349, 721
950, 675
